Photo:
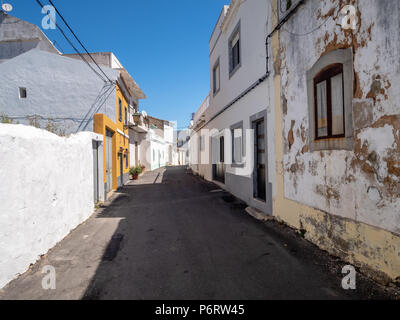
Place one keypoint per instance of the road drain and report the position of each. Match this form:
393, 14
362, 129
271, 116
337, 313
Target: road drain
113, 247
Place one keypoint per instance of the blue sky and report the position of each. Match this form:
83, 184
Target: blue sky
163, 44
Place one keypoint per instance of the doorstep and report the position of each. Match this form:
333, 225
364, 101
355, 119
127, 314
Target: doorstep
219, 184
259, 215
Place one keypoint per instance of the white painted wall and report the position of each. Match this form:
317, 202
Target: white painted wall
58, 87
254, 28
168, 133
159, 153
253, 17
170, 139
46, 191
145, 154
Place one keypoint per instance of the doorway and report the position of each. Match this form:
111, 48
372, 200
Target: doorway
109, 172
218, 150
96, 170
121, 169
259, 159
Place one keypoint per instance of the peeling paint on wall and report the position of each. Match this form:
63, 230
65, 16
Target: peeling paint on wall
360, 186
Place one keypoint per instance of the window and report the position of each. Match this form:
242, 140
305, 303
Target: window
119, 109
216, 78
237, 143
329, 103
237, 146
234, 51
22, 93
222, 149
126, 116
330, 98
202, 143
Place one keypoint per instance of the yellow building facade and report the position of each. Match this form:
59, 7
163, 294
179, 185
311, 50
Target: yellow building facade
116, 142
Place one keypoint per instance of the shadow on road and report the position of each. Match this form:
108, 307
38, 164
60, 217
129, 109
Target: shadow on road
181, 237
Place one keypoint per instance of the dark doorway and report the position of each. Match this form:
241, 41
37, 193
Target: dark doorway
121, 166
109, 161
219, 167
259, 159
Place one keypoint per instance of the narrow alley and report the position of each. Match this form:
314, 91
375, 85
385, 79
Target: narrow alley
172, 235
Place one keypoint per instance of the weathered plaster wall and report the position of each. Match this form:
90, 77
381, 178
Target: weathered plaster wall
46, 191
18, 36
351, 189
362, 184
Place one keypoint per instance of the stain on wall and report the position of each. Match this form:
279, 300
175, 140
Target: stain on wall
360, 184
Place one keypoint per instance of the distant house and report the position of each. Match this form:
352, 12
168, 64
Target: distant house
42, 87
182, 144
153, 142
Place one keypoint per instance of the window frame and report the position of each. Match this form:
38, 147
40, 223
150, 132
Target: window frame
202, 143
345, 57
236, 31
216, 65
327, 74
238, 125
20, 90
120, 109
126, 116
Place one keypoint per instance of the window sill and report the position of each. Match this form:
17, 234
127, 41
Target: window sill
237, 165
232, 73
342, 143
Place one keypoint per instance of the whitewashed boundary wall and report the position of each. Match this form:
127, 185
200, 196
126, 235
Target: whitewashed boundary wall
46, 190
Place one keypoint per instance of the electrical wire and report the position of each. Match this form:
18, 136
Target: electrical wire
307, 33
76, 37
101, 100
72, 45
301, 34
61, 49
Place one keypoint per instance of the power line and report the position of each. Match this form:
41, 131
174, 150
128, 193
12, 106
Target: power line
101, 100
307, 33
76, 37
61, 49
72, 45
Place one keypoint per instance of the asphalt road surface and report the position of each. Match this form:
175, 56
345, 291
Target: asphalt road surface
184, 238
172, 235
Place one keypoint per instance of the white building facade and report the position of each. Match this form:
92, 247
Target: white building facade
232, 142
151, 141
